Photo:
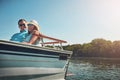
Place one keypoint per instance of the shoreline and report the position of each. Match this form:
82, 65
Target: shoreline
98, 58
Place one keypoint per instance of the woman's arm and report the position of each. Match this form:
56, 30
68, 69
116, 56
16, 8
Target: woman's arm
35, 36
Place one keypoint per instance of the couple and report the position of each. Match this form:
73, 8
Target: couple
30, 37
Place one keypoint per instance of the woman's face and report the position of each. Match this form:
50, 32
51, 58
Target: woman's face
30, 27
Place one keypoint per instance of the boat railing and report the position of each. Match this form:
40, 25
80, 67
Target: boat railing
51, 40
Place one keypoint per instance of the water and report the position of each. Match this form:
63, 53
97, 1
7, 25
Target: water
94, 69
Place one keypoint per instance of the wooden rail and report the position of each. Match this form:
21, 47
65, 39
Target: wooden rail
55, 41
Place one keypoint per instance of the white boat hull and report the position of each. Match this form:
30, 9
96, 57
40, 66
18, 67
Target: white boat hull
33, 73
28, 62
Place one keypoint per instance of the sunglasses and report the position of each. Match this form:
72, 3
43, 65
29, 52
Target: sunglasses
21, 24
30, 25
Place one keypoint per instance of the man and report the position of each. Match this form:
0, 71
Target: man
19, 37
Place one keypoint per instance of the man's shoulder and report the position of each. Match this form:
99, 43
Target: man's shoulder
16, 34
20, 33
24, 32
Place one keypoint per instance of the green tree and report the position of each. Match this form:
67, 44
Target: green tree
96, 48
116, 48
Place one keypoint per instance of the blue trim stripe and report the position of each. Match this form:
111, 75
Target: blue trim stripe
31, 55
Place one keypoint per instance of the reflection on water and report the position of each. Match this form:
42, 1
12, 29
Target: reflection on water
94, 69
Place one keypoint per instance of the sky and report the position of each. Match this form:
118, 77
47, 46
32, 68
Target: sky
75, 21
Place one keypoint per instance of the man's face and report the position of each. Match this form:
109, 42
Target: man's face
22, 25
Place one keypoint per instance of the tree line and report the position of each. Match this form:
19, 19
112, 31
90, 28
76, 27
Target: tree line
96, 48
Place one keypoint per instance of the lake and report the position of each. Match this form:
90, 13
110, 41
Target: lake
94, 69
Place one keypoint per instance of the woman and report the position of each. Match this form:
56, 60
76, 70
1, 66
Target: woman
33, 36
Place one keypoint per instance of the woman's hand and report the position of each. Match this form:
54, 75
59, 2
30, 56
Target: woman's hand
26, 43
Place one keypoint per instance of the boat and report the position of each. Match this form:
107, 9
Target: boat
20, 61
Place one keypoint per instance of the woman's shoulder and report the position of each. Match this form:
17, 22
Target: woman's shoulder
36, 32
